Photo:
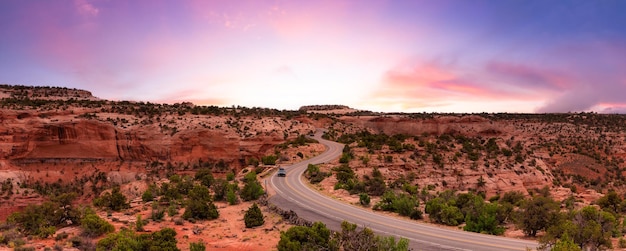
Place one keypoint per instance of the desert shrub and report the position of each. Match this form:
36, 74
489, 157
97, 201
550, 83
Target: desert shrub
253, 162
536, 214
28, 248
319, 237
441, 212
205, 176
164, 239
230, 176
231, 197
253, 217
404, 204
364, 199
171, 191
269, 159
252, 190
201, 210
139, 224
376, 184
157, 214
513, 197
147, 196
61, 236
114, 200
39, 220
81, 243
172, 210
219, 187
621, 243
314, 174
9, 236
93, 225
178, 221
200, 193
484, 219
196, 246
295, 238
344, 173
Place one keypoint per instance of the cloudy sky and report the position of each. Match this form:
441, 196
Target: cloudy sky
403, 56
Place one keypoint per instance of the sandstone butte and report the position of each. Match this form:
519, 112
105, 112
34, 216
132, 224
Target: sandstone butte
59, 135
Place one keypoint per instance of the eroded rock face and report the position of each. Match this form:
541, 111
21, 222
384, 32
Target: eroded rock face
466, 125
89, 141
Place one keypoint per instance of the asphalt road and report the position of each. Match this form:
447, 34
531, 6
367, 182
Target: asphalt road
292, 193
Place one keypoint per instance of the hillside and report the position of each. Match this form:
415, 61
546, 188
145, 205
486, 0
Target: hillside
59, 140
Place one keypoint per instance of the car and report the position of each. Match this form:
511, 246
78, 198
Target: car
281, 172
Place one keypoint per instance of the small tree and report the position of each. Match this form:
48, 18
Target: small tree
253, 217
269, 160
364, 199
139, 224
203, 210
196, 246
115, 200
93, 225
231, 197
537, 214
252, 190
147, 196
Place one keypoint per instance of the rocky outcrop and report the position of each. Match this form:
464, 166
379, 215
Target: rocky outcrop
466, 125
28, 139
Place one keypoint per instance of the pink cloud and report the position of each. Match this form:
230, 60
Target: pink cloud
86, 9
526, 76
440, 82
437, 85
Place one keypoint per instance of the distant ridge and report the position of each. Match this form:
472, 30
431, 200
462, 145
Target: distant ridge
323, 107
43, 92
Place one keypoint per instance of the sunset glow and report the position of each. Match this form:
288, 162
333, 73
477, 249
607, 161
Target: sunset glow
391, 56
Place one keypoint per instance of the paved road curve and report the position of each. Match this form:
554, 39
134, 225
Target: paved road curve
293, 193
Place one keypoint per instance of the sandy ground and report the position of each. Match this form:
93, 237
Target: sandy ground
228, 232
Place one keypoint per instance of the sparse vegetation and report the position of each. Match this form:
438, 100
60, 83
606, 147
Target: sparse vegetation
319, 237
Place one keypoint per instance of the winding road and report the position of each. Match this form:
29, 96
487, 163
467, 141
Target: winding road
294, 194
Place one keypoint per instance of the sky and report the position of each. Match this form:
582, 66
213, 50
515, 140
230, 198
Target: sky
462, 56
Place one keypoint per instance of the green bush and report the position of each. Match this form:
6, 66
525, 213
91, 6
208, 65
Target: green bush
164, 239
205, 176
115, 200
319, 237
196, 246
440, 212
202, 210
94, 226
314, 174
139, 224
364, 199
253, 217
231, 197
252, 190
269, 160
147, 196
298, 238
404, 204
157, 214
40, 220
219, 187
29, 248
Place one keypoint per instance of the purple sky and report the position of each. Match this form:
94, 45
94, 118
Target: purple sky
402, 56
